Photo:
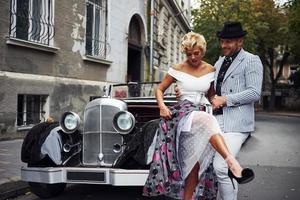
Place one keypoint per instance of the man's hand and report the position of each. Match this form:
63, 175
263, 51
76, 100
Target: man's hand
177, 92
218, 101
165, 112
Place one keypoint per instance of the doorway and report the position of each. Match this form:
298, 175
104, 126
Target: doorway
134, 59
134, 64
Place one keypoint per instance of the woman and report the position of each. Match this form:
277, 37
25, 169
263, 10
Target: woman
188, 136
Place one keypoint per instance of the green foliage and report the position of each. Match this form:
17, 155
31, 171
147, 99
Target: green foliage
210, 16
271, 28
273, 31
293, 12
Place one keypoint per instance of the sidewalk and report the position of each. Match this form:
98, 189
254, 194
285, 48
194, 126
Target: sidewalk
10, 165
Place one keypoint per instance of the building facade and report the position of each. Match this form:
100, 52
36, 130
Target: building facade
58, 55
171, 22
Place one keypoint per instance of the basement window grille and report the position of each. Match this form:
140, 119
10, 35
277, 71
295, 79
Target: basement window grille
32, 109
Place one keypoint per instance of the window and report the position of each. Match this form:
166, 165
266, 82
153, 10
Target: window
96, 24
32, 109
32, 20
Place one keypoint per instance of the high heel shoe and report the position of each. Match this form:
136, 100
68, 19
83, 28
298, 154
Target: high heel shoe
247, 176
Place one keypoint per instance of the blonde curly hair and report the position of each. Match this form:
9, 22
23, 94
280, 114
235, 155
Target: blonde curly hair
192, 39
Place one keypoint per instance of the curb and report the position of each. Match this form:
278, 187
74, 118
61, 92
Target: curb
286, 114
13, 189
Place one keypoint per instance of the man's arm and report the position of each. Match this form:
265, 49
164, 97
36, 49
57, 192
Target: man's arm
254, 77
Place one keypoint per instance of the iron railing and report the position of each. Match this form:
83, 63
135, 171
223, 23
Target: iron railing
96, 28
32, 20
96, 48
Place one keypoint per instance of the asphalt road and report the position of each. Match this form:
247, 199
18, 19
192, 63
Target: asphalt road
272, 151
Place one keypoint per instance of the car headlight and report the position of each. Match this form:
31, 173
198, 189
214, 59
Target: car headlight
69, 122
123, 122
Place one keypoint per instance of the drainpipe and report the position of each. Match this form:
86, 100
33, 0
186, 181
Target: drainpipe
189, 15
151, 38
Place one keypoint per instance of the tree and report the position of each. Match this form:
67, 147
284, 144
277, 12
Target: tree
293, 13
267, 26
272, 36
209, 17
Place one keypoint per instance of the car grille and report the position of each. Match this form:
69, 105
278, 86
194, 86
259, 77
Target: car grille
99, 135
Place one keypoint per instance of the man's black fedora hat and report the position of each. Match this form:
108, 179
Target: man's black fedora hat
231, 30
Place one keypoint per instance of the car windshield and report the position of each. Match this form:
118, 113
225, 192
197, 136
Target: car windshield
138, 89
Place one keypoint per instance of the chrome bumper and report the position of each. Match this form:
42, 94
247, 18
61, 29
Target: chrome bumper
82, 175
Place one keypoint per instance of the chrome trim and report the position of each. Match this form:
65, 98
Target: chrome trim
115, 177
101, 129
62, 122
107, 101
116, 126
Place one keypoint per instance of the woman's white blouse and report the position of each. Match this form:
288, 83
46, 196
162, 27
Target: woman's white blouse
192, 88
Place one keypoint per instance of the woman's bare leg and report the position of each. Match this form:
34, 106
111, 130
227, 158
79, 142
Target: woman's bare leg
191, 182
217, 141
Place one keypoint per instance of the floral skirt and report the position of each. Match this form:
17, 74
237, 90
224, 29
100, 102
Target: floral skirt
177, 152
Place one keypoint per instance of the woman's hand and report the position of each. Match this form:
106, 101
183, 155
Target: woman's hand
218, 102
165, 112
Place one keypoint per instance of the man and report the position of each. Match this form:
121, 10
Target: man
238, 81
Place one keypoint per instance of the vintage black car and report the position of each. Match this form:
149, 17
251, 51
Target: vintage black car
112, 144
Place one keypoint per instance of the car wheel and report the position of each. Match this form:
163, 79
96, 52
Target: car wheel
45, 190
